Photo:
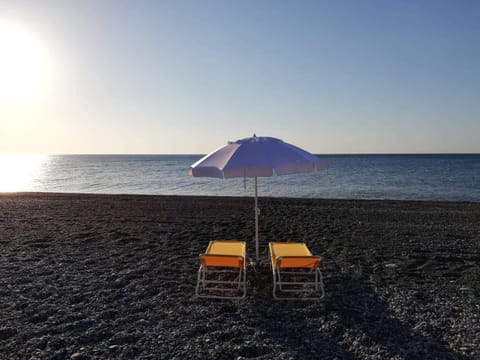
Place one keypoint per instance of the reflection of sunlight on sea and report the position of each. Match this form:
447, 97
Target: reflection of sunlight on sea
20, 172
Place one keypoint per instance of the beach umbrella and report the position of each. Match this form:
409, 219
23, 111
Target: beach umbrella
256, 157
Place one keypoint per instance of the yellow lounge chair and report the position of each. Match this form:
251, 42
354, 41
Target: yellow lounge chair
291, 261
223, 259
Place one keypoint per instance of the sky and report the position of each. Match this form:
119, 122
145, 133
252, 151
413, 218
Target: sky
184, 77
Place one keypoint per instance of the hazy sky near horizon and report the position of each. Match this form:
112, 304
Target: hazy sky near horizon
186, 76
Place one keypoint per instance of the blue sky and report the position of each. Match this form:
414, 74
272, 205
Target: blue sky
186, 76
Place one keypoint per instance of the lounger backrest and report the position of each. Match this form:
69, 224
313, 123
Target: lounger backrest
298, 262
222, 260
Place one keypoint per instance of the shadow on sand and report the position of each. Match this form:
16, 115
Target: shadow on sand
352, 322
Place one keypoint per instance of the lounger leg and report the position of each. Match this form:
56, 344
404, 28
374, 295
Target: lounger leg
199, 280
279, 283
244, 282
322, 288
274, 284
239, 278
202, 290
277, 286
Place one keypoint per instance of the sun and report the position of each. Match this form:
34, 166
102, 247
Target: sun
24, 63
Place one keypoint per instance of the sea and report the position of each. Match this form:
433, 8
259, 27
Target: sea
449, 177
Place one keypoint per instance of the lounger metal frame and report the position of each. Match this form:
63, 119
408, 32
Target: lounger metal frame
239, 283
282, 286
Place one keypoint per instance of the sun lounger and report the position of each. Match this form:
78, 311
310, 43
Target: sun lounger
293, 266
222, 273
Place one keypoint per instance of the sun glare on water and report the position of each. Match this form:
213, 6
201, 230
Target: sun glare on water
20, 172
24, 63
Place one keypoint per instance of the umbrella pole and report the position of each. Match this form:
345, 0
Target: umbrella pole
256, 220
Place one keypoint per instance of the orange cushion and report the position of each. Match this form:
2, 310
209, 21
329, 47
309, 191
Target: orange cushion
222, 260
225, 253
298, 262
292, 255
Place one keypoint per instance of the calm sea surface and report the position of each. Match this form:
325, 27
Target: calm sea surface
419, 177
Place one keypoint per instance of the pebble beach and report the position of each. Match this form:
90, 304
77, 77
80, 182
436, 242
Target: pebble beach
113, 276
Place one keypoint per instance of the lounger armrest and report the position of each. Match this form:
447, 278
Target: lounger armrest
222, 260
311, 262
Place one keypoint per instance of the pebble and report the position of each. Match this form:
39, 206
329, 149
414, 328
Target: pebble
412, 312
391, 266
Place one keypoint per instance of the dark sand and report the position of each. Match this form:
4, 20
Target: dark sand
99, 276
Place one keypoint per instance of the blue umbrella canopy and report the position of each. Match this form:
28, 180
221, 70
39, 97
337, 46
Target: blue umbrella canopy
256, 157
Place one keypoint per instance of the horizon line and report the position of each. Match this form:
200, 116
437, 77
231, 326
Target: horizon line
203, 154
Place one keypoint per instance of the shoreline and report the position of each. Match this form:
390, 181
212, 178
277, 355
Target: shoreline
113, 276
77, 194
